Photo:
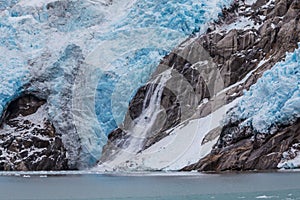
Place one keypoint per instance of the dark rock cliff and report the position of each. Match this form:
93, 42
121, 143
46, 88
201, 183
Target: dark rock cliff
248, 151
28, 140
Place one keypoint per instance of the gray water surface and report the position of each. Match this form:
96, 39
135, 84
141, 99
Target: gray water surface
160, 186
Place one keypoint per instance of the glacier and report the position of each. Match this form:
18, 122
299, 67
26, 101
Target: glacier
12, 78
274, 100
119, 43
170, 22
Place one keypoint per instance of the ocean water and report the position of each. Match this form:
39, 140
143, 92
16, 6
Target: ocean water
144, 186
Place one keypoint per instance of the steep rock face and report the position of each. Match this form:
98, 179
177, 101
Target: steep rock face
237, 49
28, 140
247, 151
260, 37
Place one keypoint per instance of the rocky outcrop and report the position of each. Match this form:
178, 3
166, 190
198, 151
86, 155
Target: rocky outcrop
28, 140
261, 36
248, 151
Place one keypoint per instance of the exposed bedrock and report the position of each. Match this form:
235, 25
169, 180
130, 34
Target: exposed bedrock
269, 36
28, 140
246, 151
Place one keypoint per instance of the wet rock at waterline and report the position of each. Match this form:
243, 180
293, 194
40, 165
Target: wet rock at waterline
248, 151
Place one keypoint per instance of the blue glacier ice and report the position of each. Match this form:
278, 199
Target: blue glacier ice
129, 38
12, 79
175, 20
14, 73
111, 113
275, 98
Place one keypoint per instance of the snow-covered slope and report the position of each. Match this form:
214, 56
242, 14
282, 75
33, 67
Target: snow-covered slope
183, 146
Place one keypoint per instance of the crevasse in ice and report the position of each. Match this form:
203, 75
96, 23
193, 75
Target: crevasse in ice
41, 38
275, 98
